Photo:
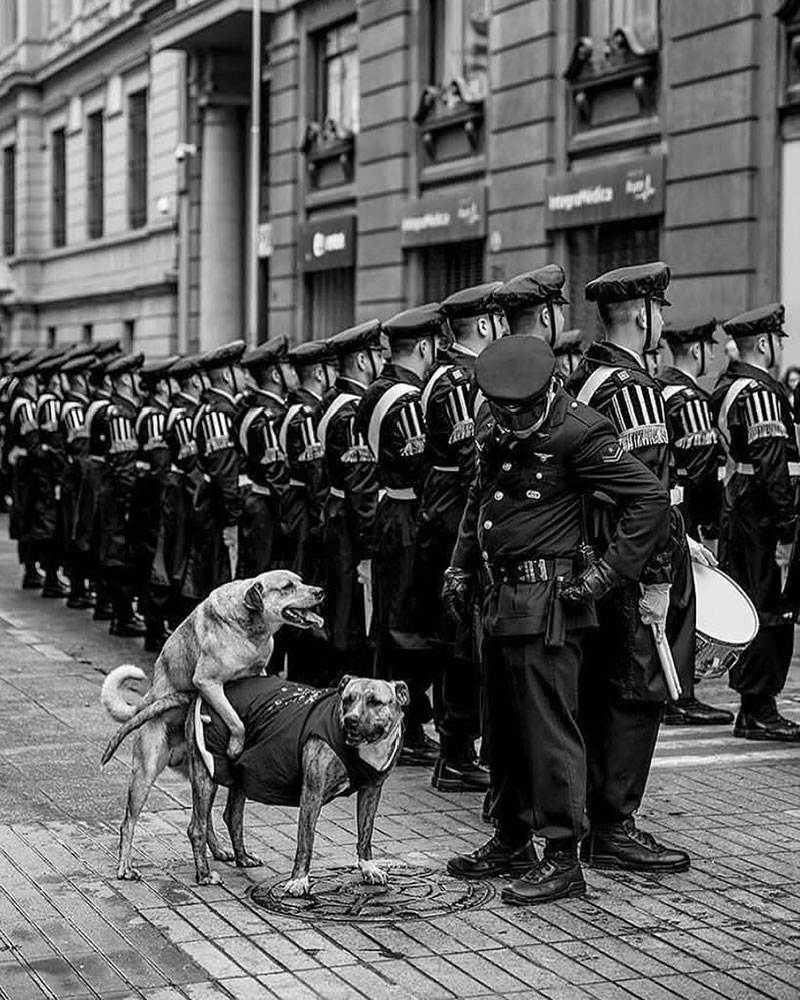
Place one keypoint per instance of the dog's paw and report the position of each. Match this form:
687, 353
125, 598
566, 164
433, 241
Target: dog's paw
235, 746
129, 874
210, 878
248, 861
298, 886
220, 854
372, 874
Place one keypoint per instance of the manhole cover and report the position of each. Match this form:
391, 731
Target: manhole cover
412, 893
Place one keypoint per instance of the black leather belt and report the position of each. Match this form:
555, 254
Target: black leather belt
529, 570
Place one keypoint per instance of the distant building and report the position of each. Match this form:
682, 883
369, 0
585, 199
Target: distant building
409, 147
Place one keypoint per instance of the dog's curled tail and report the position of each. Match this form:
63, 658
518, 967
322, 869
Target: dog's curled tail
111, 697
178, 699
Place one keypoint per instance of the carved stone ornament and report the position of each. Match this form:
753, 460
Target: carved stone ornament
325, 144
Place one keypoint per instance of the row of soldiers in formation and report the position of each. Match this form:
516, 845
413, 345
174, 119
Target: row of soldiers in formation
349, 461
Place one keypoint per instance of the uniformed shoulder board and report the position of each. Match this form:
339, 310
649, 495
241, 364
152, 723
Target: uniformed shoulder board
216, 428
179, 423
47, 412
693, 414
121, 435
734, 391
636, 410
762, 415
74, 420
23, 407
312, 449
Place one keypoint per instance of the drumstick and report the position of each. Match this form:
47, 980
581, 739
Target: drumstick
667, 663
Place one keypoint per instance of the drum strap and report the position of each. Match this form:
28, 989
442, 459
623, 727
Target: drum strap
731, 396
668, 391
598, 378
428, 390
336, 404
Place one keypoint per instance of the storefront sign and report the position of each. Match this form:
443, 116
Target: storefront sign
326, 244
624, 190
447, 217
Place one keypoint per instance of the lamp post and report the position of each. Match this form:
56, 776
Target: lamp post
255, 176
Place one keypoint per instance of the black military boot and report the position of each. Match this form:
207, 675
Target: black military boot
494, 858
418, 749
129, 627
557, 876
460, 775
622, 847
53, 585
766, 724
691, 712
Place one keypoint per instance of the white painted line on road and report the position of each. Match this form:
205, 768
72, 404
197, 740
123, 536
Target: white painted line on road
715, 741
711, 760
27, 638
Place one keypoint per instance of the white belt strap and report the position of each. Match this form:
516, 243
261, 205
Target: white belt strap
284, 431
392, 395
477, 403
746, 469
598, 378
407, 493
246, 424
730, 398
264, 491
431, 385
668, 391
336, 404
446, 468
336, 492
676, 496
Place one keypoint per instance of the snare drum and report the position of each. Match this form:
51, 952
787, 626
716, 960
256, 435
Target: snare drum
727, 622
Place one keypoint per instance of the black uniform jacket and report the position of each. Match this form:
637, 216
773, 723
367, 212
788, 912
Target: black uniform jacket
526, 503
257, 428
632, 400
350, 465
218, 457
697, 455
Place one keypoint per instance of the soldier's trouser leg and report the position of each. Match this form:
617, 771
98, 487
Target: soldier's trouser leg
456, 707
537, 753
418, 668
760, 674
620, 742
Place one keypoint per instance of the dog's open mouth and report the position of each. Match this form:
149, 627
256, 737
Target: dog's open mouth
302, 617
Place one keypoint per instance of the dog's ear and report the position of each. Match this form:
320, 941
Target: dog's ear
402, 693
254, 598
344, 682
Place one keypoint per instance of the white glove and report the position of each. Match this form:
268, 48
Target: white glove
364, 572
700, 554
654, 605
230, 536
783, 555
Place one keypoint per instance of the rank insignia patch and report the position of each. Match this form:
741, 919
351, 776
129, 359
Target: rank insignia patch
610, 454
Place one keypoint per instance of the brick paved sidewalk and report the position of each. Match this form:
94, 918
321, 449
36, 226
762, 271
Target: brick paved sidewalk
728, 928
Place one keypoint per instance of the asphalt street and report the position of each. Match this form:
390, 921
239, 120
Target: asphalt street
730, 927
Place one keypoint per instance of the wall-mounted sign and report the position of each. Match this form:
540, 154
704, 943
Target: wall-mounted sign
624, 190
325, 244
444, 217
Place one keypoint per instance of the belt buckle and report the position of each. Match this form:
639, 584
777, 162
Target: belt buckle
542, 564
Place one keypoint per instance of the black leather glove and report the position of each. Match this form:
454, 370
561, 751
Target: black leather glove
592, 584
456, 593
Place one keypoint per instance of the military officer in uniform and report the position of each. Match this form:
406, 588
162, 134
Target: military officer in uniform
623, 686
534, 302
523, 527
389, 418
153, 465
349, 514
76, 443
114, 425
218, 501
448, 406
257, 429
696, 461
760, 520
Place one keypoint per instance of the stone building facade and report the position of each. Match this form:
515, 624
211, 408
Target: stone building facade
412, 146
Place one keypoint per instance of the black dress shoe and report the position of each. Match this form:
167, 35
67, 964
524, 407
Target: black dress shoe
468, 776
768, 727
80, 603
691, 712
32, 580
54, 588
130, 628
622, 847
423, 752
557, 876
103, 611
494, 858
486, 808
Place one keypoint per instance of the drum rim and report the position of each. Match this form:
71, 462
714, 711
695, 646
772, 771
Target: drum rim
745, 595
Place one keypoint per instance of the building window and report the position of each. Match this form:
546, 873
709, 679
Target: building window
337, 76
595, 249
449, 267
94, 175
59, 187
137, 159
458, 32
51, 336
60, 13
87, 333
128, 335
599, 19
10, 201
331, 302
8, 23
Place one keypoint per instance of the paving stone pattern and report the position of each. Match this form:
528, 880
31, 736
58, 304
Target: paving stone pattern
730, 927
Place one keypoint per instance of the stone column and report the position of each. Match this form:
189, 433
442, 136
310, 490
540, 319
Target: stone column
221, 228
